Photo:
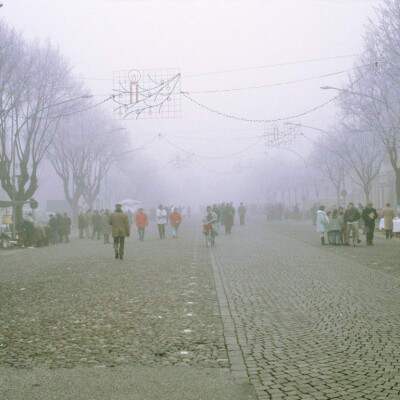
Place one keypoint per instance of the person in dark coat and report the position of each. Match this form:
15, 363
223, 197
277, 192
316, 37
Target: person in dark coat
120, 228
228, 217
105, 227
81, 225
60, 227
369, 216
53, 225
351, 217
67, 227
97, 224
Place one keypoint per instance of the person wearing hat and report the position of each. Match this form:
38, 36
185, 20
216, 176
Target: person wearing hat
141, 221
369, 216
120, 229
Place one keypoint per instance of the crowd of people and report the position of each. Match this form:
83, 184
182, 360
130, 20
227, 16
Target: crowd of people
336, 226
60, 228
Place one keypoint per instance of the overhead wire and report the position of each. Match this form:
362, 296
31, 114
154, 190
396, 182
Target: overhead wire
274, 84
211, 157
271, 65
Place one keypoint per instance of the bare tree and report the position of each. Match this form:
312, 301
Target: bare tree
83, 150
373, 100
363, 154
326, 158
36, 87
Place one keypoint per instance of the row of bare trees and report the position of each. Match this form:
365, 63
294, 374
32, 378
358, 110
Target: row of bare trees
367, 131
41, 116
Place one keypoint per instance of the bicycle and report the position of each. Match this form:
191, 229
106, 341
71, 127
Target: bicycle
208, 234
353, 232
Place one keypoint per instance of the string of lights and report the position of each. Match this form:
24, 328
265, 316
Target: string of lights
259, 120
87, 108
230, 116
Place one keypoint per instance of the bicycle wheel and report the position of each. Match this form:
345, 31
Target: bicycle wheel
354, 236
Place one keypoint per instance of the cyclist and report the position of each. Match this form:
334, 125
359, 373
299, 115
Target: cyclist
211, 218
351, 217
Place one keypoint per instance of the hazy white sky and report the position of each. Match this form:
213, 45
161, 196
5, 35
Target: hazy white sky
201, 37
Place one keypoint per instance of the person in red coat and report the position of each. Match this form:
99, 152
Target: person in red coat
175, 219
142, 222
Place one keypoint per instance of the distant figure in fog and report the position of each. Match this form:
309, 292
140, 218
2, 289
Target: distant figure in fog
67, 227
176, 219
161, 218
228, 216
89, 224
369, 216
105, 226
189, 211
120, 227
343, 225
60, 227
141, 221
81, 224
217, 211
53, 225
97, 224
242, 213
388, 216
313, 211
322, 224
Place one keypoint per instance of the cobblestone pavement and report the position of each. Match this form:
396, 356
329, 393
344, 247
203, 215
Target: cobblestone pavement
306, 321
299, 320
75, 305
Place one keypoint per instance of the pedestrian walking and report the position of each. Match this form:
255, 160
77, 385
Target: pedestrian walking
53, 225
81, 224
60, 227
228, 215
322, 224
67, 227
120, 228
105, 226
97, 225
141, 221
388, 217
343, 225
161, 218
242, 213
89, 224
369, 216
176, 219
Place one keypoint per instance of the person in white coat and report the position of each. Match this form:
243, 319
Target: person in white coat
322, 224
161, 218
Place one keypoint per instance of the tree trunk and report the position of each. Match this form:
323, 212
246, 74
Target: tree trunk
397, 173
18, 216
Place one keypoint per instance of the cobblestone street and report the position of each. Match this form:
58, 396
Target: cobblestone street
312, 322
268, 304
